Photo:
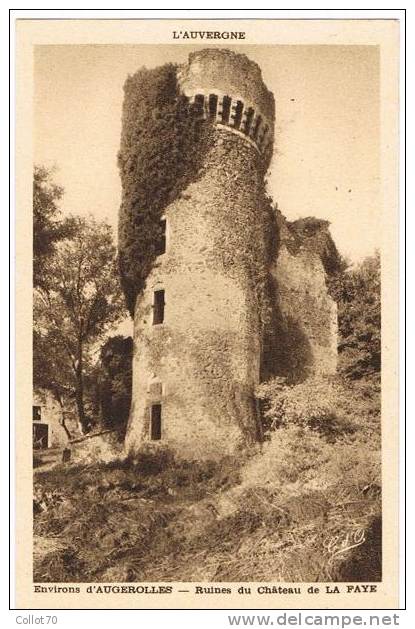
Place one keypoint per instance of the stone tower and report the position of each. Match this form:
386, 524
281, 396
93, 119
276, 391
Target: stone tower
197, 323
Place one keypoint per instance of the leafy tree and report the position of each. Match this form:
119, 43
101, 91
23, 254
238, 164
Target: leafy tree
48, 226
78, 301
51, 369
357, 292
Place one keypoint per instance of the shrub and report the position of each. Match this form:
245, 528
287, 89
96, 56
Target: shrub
278, 517
357, 291
313, 405
286, 458
307, 498
295, 460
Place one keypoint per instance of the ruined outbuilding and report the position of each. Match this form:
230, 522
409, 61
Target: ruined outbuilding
236, 294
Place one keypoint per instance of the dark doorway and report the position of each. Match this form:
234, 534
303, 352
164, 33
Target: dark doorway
155, 422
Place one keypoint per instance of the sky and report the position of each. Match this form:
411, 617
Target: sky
327, 138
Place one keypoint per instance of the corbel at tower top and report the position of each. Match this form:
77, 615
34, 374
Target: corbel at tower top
228, 88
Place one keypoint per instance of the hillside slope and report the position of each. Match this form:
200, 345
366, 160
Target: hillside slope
300, 508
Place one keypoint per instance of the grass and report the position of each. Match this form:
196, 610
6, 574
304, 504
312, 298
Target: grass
298, 509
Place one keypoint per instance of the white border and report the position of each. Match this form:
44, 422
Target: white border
188, 619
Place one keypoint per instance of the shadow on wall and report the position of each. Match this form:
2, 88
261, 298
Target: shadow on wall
287, 350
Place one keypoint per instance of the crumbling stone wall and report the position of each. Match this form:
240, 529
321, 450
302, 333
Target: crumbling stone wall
306, 314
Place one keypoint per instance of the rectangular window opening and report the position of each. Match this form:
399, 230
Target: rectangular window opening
158, 307
161, 241
155, 428
37, 413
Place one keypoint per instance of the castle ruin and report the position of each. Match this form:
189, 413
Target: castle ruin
236, 294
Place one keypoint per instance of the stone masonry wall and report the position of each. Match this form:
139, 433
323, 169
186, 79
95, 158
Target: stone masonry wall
203, 362
52, 414
215, 69
306, 313
228, 88
232, 316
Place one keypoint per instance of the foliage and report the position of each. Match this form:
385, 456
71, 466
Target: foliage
161, 151
317, 404
357, 292
78, 301
319, 475
296, 461
276, 517
48, 226
285, 512
313, 499
51, 368
117, 518
116, 381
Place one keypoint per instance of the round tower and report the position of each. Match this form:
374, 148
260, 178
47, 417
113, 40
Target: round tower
197, 322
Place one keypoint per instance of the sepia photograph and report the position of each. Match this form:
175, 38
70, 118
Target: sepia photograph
207, 338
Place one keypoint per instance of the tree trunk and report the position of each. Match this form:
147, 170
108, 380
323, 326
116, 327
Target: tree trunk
62, 418
79, 391
65, 427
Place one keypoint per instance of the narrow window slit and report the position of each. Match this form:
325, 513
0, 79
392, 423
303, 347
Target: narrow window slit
158, 307
263, 136
161, 241
255, 129
198, 105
